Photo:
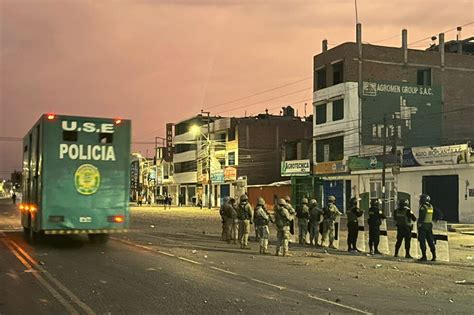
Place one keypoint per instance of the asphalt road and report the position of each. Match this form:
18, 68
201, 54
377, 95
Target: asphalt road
163, 268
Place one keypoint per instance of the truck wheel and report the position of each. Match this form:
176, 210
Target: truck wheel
31, 235
99, 238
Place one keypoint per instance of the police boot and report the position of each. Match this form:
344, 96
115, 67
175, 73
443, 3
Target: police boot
277, 253
423, 257
434, 256
408, 256
396, 251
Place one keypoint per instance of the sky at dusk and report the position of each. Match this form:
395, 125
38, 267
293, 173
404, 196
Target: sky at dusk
158, 61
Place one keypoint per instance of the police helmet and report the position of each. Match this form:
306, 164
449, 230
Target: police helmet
353, 201
313, 202
281, 202
244, 198
260, 201
424, 198
331, 198
304, 201
403, 203
287, 199
375, 202
226, 199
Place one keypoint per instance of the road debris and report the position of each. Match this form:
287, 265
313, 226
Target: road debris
205, 256
329, 289
194, 251
377, 266
152, 226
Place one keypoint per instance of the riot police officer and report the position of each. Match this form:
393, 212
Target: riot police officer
330, 214
425, 227
315, 214
404, 218
262, 218
352, 224
283, 220
303, 215
375, 219
245, 216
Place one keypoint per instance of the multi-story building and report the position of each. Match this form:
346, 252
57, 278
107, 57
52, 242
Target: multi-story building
367, 97
240, 151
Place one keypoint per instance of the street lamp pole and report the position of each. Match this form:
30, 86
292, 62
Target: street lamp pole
208, 158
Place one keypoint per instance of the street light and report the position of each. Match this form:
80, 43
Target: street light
196, 131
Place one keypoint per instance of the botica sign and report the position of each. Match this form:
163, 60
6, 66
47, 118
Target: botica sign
295, 168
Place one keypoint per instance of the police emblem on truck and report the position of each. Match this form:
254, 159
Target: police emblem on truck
87, 179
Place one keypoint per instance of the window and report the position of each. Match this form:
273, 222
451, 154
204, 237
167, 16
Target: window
231, 134
331, 149
291, 151
69, 135
424, 77
106, 138
338, 70
338, 110
183, 167
321, 79
321, 114
184, 147
231, 158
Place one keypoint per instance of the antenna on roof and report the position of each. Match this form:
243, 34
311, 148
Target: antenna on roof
357, 15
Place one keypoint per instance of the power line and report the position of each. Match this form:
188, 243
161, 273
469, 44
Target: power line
258, 93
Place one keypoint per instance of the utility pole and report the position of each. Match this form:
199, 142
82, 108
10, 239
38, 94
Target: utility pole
384, 193
208, 157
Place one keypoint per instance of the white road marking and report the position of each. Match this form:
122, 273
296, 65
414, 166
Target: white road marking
70, 295
338, 304
189, 260
280, 288
165, 253
223, 270
269, 284
68, 306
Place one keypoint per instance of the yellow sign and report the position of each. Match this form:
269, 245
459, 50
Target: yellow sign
334, 167
87, 179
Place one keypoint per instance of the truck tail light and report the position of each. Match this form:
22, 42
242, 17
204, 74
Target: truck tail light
116, 219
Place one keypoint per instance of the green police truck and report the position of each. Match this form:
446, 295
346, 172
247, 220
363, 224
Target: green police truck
76, 177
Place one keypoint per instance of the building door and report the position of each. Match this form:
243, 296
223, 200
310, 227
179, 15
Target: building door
334, 188
225, 192
182, 196
444, 193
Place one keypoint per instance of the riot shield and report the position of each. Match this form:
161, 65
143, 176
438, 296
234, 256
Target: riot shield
361, 235
414, 244
440, 233
337, 228
383, 245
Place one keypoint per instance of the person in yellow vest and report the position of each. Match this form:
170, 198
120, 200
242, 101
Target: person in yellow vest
425, 227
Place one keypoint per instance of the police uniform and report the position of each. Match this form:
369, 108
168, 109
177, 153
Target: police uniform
283, 220
303, 216
330, 214
245, 216
403, 218
223, 218
353, 225
375, 219
262, 218
230, 212
425, 228
315, 214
